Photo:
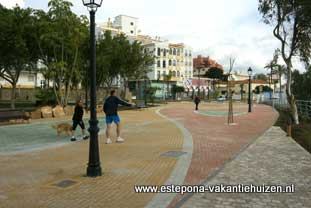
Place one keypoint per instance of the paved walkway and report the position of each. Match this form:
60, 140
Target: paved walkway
273, 159
214, 141
167, 145
28, 179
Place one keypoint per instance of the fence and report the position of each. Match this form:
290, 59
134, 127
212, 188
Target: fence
303, 106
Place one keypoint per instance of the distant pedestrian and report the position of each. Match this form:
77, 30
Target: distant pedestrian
111, 111
77, 119
197, 100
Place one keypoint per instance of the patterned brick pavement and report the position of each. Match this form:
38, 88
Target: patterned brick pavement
273, 159
26, 180
215, 142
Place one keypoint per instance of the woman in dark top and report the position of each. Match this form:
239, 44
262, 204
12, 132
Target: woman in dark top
197, 100
77, 119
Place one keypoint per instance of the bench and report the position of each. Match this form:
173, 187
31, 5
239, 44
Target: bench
6, 116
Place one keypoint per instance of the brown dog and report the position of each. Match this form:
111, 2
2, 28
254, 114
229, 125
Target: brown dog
63, 128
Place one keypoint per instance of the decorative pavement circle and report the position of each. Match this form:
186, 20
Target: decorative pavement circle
218, 113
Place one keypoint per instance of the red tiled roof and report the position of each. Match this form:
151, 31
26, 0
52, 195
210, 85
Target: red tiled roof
205, 62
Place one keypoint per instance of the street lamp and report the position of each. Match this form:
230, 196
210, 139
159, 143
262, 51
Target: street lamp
249, 71
93, 166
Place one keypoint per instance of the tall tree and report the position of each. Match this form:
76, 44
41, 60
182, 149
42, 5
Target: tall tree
17, 52
291, 20
215, 74
137, 62
60, 34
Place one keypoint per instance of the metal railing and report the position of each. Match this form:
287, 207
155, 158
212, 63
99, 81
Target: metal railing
303, 106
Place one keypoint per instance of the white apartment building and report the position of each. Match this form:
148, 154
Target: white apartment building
26, 80
175, 59
122, 24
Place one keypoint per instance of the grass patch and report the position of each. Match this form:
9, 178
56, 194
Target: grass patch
301, 132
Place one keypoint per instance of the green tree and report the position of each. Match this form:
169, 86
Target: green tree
261, 76
18, 49
302, 84
215, 74
177, 90
291, 20
109, 62
136, 62
60, 34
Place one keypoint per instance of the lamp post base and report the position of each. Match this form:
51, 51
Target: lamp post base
93, 171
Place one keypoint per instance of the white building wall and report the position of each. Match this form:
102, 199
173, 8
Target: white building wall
128, 25
26, 80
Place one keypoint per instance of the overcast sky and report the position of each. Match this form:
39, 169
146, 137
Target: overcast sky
215, 28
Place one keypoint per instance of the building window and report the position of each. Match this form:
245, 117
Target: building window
178, 74
171, 51
132, 23
178, 52
164, 64
132, 31
159, 52
174, 51
159, 64
42, 84
170, 62
164, 73
174, 63
174, 74
164, 52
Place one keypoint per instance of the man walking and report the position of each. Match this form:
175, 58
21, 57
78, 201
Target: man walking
197, 101
77, 119
111, 111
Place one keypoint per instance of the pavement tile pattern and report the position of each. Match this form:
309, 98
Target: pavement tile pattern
273, 159
214, 141
28, 179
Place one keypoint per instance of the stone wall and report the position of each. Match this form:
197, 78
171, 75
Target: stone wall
21, 94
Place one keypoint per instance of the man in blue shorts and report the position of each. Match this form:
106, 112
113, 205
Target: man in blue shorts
111, 111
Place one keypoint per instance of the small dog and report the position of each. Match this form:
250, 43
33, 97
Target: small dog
63, 128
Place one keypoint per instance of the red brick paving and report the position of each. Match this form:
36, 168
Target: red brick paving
215, 142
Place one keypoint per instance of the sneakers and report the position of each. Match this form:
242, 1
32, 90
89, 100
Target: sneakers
120, 140
108, 141
73, 139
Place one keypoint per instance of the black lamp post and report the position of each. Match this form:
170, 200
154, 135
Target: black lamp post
93, 167
249, 71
